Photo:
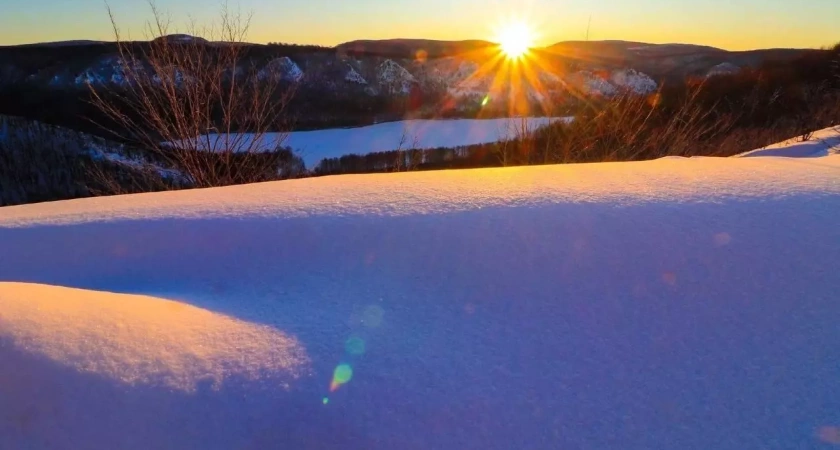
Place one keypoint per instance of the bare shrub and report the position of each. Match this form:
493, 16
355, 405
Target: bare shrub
514, 146
197, 106
631, 127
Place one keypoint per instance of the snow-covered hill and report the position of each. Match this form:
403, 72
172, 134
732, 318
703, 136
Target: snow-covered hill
394, 79
676, 303
464, 81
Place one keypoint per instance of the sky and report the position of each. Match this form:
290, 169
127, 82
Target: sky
729, 24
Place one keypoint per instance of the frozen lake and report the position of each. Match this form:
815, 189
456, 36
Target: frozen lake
313, 146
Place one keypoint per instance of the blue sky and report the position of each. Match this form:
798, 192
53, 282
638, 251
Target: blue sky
731, 24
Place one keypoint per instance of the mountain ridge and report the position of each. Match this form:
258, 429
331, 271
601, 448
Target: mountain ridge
371, 80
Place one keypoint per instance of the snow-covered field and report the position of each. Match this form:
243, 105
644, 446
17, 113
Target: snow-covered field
313, 146
674, 304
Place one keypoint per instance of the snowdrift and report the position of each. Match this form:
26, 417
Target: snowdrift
677, 303
141, 340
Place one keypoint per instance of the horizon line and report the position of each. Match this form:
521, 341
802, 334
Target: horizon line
81, 42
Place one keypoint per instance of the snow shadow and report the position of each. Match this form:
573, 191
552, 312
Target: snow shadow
824, 143
660, 325
50, 406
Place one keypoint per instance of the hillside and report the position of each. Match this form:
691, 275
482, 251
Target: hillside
363, 81
409, 48
677, 303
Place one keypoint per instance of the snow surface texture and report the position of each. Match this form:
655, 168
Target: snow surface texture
677, 303
313, 146
141, 340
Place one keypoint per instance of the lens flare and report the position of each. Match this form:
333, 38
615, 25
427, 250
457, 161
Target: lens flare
372, 316
355, 346
341, 375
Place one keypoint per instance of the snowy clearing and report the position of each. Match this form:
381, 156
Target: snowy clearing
683, 303
313, 146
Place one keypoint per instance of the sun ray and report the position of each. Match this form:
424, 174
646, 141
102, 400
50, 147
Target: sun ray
515, 76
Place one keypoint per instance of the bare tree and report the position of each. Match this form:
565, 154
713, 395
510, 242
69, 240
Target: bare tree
196, 105
515, 142
408, 156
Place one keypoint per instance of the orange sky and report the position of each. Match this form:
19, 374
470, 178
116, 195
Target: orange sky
742, 24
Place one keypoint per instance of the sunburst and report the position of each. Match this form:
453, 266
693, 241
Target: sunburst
515, 39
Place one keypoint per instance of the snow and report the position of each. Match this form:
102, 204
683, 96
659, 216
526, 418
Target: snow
723, 69
613, 83
188, 345
461, 78
117, 154
821, 143
466, 80
678, 303
89, 77
180, 38
281, 69
394, 78
355, 77
64, 139
591, 84
313, 146
634, 81
109, 70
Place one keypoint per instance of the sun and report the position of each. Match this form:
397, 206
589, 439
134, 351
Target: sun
515, 39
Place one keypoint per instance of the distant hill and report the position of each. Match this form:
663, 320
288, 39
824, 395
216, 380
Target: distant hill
182, 39
366, 81
76, 43
408, 48
622, 48
672, 62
